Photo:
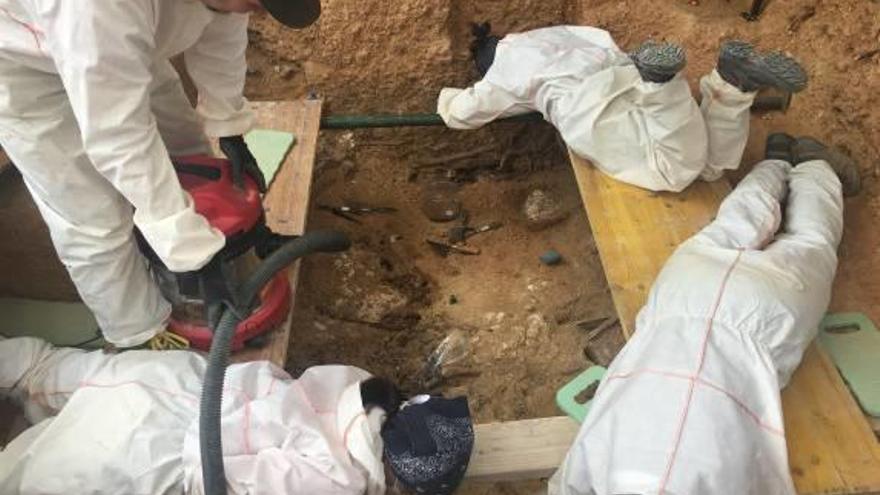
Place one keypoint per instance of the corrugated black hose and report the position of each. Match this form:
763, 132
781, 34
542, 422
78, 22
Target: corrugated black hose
210, 441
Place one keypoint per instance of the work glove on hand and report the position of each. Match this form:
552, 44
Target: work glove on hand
218, 295
243, 162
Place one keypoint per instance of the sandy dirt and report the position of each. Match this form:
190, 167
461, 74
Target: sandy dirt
391, 300
516, 313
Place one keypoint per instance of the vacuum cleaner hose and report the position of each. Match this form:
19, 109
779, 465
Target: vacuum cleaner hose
210, 440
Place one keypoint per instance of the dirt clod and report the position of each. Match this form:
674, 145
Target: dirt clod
542, 209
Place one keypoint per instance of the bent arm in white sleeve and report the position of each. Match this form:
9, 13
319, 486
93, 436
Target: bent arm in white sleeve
41, 377
478, 105
102, 50
217, 66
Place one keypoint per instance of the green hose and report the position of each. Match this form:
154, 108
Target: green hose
762, 103
403, 120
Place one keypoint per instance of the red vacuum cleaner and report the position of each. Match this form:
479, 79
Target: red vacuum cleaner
238, 213
252, 266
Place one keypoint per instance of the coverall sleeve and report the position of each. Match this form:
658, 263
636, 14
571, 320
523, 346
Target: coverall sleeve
41, 377
102, 50
217, 66
478, 105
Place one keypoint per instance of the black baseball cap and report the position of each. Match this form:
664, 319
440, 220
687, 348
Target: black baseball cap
294, 13
428, 444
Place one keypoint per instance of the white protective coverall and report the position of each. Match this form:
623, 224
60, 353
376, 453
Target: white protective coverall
651, 135
128, 423
692, 403
90, 109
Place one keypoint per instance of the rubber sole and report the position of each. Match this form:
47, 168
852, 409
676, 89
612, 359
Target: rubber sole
740, 64
658, 62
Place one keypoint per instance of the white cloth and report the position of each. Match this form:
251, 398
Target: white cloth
87, 97
647, 134
692, 403
128, 423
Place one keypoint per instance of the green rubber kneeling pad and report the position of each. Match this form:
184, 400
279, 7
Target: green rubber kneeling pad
853, 343
269, 149
566, 397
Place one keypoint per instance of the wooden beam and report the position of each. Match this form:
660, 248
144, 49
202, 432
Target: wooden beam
831, 446
636, 230
287, 201
519, 450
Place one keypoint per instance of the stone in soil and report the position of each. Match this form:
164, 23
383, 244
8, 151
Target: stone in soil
543, 209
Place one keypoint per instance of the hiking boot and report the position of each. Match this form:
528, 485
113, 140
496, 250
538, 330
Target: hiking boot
742, 66
658, 62
778, 147
805, 149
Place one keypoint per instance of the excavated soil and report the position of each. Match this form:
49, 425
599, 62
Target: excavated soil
388, 303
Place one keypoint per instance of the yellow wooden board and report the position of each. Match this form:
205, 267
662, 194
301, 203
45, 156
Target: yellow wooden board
287, 201
832, 449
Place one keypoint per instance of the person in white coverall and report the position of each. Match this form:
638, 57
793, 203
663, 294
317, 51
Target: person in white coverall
632, 115
91, 108
128, 423
692, 405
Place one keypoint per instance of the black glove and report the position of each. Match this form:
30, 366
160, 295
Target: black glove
243, 162
218, 294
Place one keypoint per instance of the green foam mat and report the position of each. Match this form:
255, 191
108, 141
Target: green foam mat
269, 149
853, 343
566, 397
61, 323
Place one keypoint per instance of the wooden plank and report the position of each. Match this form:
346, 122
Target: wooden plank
831, 446
636, 230
287, 201
519, 450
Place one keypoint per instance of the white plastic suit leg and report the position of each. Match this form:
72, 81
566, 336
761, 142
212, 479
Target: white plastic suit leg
726, 113
179, 125
651, 135
647, 134
750, 216
806, 248
692, 403
89, 221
